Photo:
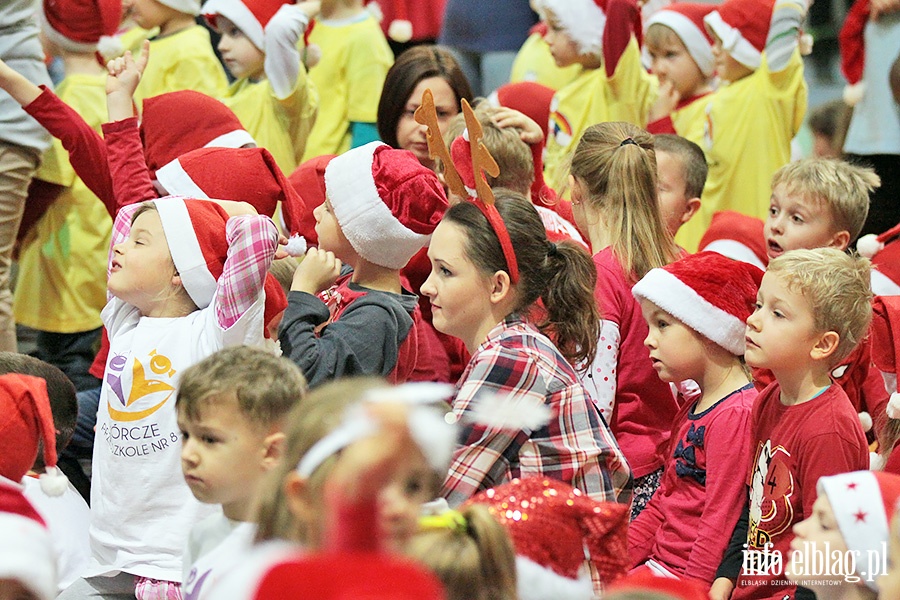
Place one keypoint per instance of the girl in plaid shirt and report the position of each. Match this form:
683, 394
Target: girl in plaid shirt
475, 298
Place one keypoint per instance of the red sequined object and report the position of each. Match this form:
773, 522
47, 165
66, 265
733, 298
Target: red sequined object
551, 523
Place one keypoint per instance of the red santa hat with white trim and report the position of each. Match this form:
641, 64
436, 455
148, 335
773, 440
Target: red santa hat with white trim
884, 251
250, 16
385, 201
195, 232
885, 346
27, 555
708, 292
175, 123
582, 20
863, 503
26, 424
685, 19
80, 25
745, 26
736, 236
190, 7
551, 524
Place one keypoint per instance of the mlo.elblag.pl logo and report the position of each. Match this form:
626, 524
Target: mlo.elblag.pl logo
816, 561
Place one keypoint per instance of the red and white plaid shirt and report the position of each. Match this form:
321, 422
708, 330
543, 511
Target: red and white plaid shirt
575, 447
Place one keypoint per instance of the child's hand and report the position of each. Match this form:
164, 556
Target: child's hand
280, 252
529, 131
721, 589
317, 272
666, 102
125, 72
311, 8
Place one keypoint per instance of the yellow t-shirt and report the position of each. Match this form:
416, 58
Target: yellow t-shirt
182, 61
745, 128
62, 262
534, 62
280, 126
593, 98
355, 61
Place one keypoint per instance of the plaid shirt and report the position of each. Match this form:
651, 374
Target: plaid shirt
575, 447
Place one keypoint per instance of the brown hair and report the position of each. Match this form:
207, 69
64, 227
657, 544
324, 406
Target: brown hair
616, 165
411, 67
266, 387
562, 275
693, 162
475, 563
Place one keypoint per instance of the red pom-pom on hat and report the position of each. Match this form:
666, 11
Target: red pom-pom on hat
78, 25
385, 201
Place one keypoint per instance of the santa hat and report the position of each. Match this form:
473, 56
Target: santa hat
851, 40
582, 20
745, 27
385, 201
339, 576
26, 421
195, 232
175, 123
708, 292
885, 346
241, 174
308, 180
686, 20
190, 7
27, 555
884, 252
863, 503
736, 236
529, 98
401, 28
550, 524
250, 16
79, 25
644, 581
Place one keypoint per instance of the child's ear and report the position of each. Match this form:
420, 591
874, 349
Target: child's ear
297, 499
826, 346
176, 280
500, 286
690, 209
840, 240
273, 449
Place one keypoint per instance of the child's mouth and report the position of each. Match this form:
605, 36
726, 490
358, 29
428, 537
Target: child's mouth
774, 248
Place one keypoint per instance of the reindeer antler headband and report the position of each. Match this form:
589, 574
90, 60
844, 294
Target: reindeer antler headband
468, 150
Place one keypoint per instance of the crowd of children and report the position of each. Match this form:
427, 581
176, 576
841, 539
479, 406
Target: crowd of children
311, 325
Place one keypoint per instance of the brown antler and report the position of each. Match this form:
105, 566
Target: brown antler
481, 157
426, 114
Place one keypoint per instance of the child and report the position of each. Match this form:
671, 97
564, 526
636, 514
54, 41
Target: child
812, 309
615, 201
231, 410
380, 209
67, 515
60, 287
271, 95
681, 171
754, 114
678, 50
355, 61
849, 520
182, 52
612, 85
480, 289
179, 271
696, 309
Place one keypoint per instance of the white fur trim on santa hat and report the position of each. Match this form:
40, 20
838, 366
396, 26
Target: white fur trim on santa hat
27, 555
190, 7
679, 300
365, 219
733, 41
582, 20
186, 253
882, 285
690, 35
60, 40
238, 13
177, 182
859, 512
736, 250
535, 582
239, 138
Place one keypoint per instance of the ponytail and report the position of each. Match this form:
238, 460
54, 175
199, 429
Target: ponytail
562, 275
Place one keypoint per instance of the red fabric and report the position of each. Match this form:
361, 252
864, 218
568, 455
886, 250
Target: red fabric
886, 333
623, 20
699, 496
645, 408
793, 446
734, 226
262, 11
665, 124
426, 17
41, 194
643, 580
852, 42
83, 21
13, 501
893, 462
25, 421
887, 261
432, 362
530, 98
750, 17
308, 181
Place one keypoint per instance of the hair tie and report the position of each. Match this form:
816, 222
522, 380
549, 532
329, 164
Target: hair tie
627, 141
449, 519
552, 249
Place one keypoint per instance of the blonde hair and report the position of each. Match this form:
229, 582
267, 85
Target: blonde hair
837, 287
317, 415
658, 35
616, 164
842, 187
476, 563
513, 156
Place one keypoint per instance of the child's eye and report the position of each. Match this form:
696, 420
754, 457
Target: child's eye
413, 486
661, 324
208, 439
234, 32
778, 314
757, 306
773, 211
797, 219
184, 434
